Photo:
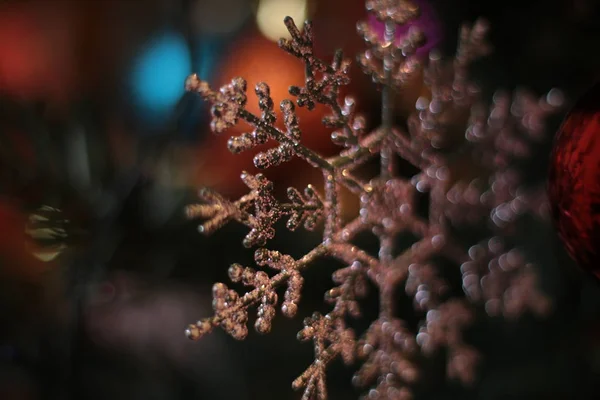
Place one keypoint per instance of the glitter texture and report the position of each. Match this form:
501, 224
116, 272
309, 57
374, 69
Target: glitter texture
495, 276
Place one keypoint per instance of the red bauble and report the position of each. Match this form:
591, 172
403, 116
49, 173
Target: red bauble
574, 182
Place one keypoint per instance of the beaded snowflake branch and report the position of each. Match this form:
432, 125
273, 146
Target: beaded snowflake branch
493, 274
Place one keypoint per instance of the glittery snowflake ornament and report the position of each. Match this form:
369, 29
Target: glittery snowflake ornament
495, 275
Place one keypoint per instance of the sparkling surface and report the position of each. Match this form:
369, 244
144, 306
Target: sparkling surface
574, 184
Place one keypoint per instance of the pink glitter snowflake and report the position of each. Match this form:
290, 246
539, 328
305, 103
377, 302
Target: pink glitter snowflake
494, 275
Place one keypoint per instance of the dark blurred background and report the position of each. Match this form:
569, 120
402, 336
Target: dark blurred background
100, 150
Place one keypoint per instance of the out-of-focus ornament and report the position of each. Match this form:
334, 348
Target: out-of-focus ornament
47, 228
574, 181
15, 254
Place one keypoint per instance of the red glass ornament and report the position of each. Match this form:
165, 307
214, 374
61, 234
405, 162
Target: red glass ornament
574, 182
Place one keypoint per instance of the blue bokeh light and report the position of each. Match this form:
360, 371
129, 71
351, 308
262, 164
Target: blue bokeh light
207, 55
158, 74
193, 110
